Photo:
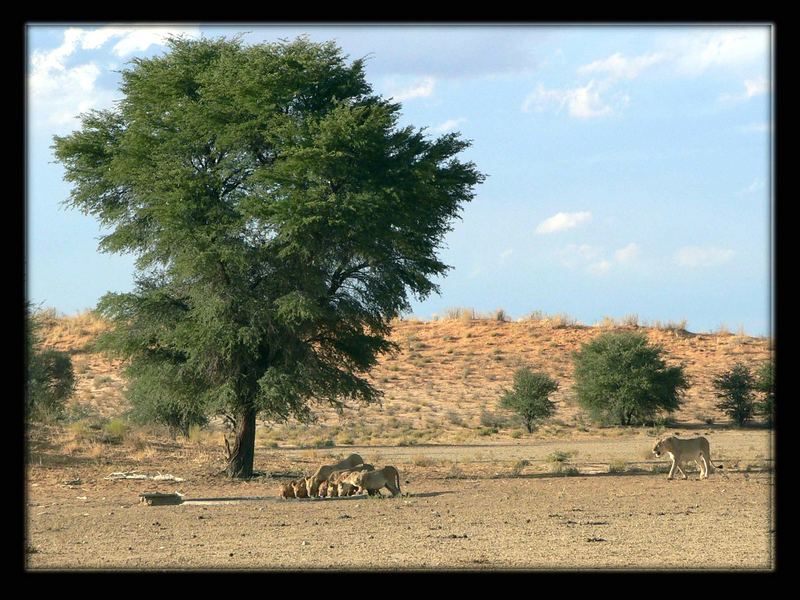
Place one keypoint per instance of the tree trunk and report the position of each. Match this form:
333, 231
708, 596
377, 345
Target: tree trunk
240, 462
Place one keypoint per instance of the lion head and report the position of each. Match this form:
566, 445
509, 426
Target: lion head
287, 491
300, 490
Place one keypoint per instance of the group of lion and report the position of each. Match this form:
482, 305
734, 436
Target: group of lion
346, 478
353, 476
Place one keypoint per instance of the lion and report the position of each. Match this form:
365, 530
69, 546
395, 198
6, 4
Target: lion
345, 489
682, 450
300, 488
287, 491
321, 474
373, 481
334, 489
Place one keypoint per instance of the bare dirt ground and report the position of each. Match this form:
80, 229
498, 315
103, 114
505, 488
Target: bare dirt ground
468, 507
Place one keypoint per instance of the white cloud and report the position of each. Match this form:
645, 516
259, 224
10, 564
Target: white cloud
583, 102
696, 52
702, 256
58, 92
600, 267
505, 254
561, 221
627, 254
752, 88
420, 89
594, 259
140, 39
740, 50
449, 125
617, 66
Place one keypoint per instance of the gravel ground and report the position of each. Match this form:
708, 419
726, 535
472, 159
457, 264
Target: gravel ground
483, 518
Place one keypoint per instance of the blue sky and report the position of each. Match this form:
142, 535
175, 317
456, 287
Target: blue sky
629, 167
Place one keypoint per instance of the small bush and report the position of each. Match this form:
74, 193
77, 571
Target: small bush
616, 466
631, 320
423, 461
455, 472
516, 470
454, 418
500, 315
114, 431
561, 320
562, 469
560, 456
320, 443
607, 323
492, 420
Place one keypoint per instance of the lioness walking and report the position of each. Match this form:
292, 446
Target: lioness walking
373, 481
682, 450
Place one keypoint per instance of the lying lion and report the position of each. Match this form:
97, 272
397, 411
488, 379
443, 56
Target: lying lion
373, 481
313, 482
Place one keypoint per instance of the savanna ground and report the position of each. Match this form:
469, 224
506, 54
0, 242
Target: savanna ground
479, 493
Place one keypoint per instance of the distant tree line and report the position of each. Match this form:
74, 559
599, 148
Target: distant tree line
621, 379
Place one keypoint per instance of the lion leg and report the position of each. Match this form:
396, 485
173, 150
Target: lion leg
671, 469
678, 468
704, 467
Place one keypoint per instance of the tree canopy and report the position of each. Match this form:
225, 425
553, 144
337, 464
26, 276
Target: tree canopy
530, 397
621, 379
280, 218
735, 389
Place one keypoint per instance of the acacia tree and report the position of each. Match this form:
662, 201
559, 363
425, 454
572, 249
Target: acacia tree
530, 397
621, 379
765, 384
280, 219
735, 390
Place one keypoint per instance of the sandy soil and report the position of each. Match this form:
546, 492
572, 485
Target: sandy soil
463, 507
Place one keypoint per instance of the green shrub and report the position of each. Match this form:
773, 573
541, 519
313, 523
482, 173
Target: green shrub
529, 397
114, 431
492, 420
622, 380
765, 385
560, 456
50, 378
735, 389
616, 466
